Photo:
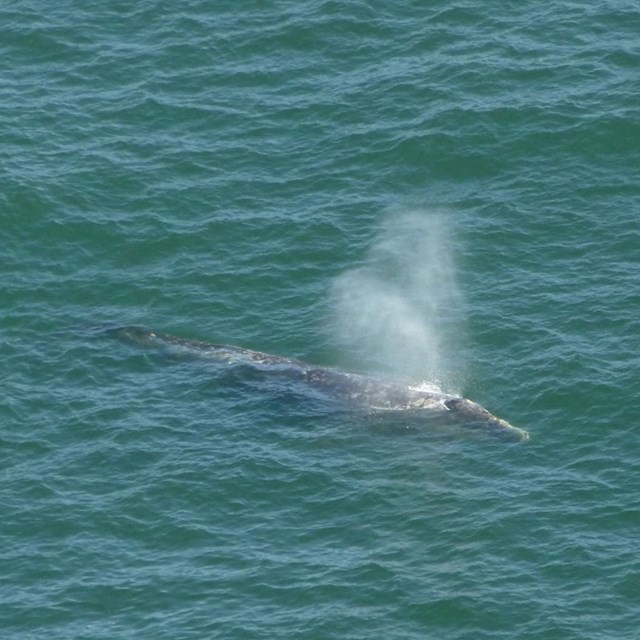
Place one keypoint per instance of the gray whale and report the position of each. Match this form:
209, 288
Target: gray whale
351, 388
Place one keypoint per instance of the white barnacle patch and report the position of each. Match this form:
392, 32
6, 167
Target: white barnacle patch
426, 402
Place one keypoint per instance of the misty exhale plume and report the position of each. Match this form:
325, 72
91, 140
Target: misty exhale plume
401, 309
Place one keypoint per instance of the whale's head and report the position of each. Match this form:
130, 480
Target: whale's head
472, 414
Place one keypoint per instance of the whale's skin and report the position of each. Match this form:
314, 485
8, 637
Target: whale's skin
351, 388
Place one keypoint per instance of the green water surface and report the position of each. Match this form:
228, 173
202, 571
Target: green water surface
445, 191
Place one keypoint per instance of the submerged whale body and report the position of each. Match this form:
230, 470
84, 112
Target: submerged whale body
351, 388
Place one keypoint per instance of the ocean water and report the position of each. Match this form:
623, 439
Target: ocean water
442, 192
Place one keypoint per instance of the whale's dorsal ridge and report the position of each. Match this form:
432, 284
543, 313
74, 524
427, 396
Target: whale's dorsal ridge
352, 388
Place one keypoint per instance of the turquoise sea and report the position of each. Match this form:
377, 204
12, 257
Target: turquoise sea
443, 193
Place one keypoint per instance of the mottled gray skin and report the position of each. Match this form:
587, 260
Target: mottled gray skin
353, 389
